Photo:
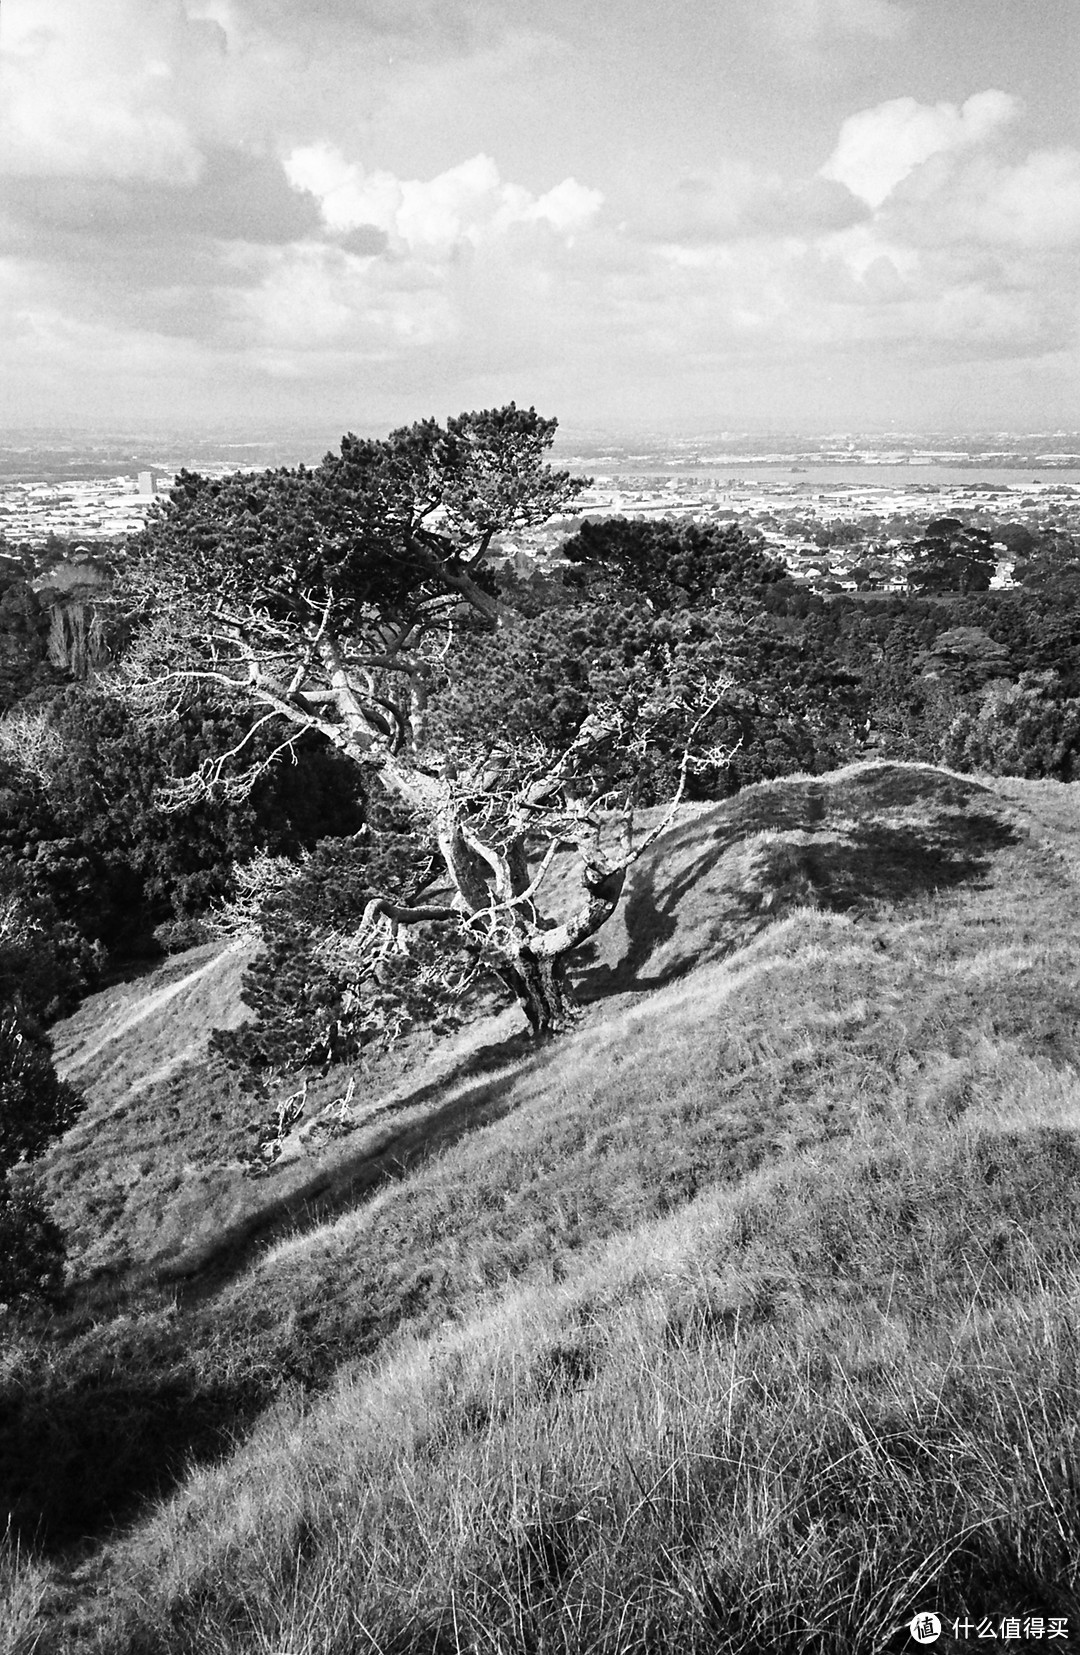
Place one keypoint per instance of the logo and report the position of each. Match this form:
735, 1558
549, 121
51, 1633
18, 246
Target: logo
925, 1628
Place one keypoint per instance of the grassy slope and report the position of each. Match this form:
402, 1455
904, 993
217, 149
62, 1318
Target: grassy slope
151, 1182
744, 1319
163, 1125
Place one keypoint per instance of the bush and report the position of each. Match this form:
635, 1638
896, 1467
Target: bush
167, 859
31, 1247
85, 817
1023, 729
173, 936
46, 963
788, 705
321, 994
36, 1106
24, 633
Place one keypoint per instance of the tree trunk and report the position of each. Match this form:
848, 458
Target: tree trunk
542, 984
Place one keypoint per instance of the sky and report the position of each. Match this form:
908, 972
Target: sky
662, 215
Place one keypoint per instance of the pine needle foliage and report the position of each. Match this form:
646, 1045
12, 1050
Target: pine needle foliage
321, 995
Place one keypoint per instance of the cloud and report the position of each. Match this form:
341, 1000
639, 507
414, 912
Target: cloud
738, 201
229, 200
1032, 204
434, 26
467, 204
802, 24
104, 91
879, 147
918, 242
470, 263
299, 299
236, 197
145, 198
366, 240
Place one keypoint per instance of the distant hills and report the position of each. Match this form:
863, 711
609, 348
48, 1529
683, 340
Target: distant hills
986, 450
57, 455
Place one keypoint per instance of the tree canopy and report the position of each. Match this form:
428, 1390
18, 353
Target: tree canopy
329, 598
952, 557
672, 564
317, 591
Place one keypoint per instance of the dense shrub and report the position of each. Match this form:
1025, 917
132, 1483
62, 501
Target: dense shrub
31, 1247
784, 702
95, 831
951, 557
35, 1107
670, 563
1023, 729
320, 994
24, 631
46, 963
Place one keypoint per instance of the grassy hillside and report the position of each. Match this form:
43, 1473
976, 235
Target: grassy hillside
744, 1319
162, 1121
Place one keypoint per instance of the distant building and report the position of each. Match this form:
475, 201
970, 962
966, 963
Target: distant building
146, 482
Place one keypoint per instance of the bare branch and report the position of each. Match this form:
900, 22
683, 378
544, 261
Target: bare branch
304, 666
428, 558
538, 878
211, 776
482, 550
401, 913
494, 860
632, 852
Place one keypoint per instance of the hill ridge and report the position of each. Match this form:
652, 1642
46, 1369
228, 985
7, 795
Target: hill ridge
720, 875
840, 1015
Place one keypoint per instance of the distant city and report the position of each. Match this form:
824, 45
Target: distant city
837, 509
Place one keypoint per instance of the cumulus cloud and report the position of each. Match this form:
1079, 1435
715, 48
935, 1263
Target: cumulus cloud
920, 240
879, 147
466, 204
146, 198
311, 297
968, 247
965, 246
1033, 203
234, 194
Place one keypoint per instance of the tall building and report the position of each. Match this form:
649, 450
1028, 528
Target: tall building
146, 482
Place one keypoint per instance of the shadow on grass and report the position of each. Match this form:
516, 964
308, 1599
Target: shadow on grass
83, 1451
826, 847
338, 1188
92, 1431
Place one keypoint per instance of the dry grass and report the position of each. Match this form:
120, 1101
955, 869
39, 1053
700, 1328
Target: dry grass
785, 1417
153, 1175
24, 1593
164, 1126
744, 1320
